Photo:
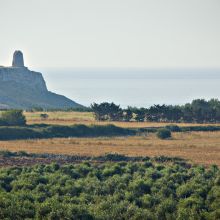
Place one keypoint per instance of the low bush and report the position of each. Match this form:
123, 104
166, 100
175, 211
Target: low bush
201, 128
180, 129
12, 118
44, 116
163, 133
173, 128
113, 157
6, 153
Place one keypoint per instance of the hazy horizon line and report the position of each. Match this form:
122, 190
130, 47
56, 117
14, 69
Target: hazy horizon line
130, 68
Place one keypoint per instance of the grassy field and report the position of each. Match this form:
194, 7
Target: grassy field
87, 118
198, 147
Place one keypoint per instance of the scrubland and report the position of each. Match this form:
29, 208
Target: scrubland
197, 147
121, 190
64, 177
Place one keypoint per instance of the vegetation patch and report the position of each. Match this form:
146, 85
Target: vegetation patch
12, 118
159, 188
173, 128
163, 133
198, 111
38, 131
51, 131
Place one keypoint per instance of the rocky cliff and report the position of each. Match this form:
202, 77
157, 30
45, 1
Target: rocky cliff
23, 76
23, 88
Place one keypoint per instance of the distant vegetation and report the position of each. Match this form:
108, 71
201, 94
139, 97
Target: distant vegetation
163, 133
76, 109
51, 131
80, 130
199, 111
44, 116
13, 126
152, 189
12, 118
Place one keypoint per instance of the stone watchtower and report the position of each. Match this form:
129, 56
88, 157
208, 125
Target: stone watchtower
18, 60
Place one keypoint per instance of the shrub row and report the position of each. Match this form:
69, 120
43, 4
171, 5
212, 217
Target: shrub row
51, 131
111, 157
176, 128
124, 190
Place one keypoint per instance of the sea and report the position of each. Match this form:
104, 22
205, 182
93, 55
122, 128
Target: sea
134, 87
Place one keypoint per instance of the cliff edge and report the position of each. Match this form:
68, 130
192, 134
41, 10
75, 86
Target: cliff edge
24, 89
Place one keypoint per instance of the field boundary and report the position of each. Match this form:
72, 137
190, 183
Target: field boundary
44, 131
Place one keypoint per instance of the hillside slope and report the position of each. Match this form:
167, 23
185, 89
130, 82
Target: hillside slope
22, 88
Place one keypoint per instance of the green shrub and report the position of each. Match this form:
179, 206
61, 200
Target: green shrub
114, 157
44, 116
12, 118
163, 133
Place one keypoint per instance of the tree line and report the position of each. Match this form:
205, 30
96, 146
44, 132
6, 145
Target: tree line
198, 111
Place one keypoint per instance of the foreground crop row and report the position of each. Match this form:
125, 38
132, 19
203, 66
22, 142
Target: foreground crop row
110, 190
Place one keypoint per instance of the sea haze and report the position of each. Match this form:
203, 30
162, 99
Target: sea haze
140, 88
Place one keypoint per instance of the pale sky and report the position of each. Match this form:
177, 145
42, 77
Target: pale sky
111, 33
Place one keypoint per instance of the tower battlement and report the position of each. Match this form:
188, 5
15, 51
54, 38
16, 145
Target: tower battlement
18, 60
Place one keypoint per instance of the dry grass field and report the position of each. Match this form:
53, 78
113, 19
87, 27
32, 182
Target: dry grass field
87, 118
197, 147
